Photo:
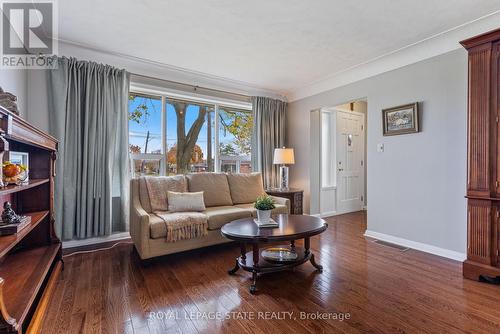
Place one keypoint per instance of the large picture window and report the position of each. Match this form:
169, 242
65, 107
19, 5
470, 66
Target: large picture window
171, 136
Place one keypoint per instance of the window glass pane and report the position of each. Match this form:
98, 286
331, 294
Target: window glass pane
190, 137
144, 124
328, 147
235, 133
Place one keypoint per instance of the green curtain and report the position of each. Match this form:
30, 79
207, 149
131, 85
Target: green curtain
269, 124
88, 115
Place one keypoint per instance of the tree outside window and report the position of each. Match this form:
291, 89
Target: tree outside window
190, 136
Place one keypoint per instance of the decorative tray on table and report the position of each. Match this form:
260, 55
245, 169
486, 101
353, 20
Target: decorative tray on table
279, 254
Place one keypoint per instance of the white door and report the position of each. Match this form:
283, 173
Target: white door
350, 164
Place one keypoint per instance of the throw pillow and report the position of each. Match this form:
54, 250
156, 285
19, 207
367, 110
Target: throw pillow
182, 202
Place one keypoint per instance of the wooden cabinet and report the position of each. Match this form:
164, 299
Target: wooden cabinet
31, 259
294, 195
483, 161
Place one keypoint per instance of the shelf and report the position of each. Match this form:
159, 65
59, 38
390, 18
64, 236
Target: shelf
14, 188
7, 242
24, 273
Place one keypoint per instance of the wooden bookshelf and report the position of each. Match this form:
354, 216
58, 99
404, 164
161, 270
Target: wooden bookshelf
31, 259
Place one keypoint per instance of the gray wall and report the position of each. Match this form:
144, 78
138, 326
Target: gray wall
16, 82
416, 187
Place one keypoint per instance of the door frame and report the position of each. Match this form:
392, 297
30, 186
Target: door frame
318, 139
363, 150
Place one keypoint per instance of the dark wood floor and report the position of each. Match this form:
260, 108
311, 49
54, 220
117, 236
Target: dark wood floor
383, 290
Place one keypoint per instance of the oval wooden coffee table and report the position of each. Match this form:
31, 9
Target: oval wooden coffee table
291, 228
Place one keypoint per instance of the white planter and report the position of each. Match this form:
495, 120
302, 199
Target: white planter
263, 215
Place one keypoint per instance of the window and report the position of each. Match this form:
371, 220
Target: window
190, 137
145, 134
171, 136
235, 134
328, 148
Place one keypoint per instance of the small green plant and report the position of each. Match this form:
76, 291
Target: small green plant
264, 202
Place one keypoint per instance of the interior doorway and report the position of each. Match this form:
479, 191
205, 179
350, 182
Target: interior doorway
342, 141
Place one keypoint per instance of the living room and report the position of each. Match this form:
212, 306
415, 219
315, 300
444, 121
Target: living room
278, 167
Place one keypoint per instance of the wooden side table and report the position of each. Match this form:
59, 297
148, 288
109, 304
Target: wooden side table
293, 194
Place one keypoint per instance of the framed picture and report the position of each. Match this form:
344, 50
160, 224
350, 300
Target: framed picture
20, 158
400, 120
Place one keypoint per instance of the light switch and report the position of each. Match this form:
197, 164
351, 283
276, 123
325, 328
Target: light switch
380, 148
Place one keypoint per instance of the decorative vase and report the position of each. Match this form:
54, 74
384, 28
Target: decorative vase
263, 216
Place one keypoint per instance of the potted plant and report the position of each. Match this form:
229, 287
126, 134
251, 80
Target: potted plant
264, 204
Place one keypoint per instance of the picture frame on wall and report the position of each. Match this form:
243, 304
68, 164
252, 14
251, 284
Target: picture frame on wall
400, 120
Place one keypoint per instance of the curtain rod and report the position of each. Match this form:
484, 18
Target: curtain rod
194, 87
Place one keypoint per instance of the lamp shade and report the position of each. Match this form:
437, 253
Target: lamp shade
283, 156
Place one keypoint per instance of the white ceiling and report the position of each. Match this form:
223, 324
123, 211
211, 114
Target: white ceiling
280, 45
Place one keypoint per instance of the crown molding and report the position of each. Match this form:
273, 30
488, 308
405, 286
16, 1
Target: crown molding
159, 70
430, 47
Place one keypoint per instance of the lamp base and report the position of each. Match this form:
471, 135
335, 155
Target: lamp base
284, 178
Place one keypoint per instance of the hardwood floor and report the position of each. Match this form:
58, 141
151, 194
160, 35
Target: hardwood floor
383, 290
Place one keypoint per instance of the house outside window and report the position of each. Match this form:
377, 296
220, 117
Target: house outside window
170, 135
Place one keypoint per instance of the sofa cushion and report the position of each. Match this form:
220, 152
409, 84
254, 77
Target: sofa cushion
214, 186
157, 226
182, 202
157, 187
279, 208
220, 215
245, 188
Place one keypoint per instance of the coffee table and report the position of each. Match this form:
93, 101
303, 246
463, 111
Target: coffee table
291, 228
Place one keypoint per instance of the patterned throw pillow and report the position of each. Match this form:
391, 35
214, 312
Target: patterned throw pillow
182, 202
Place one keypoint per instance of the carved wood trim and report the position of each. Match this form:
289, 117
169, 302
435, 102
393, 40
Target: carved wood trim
479, 123
20, 130
7, 323
495, 110
53, 234
479, 219
487, 37
4, 147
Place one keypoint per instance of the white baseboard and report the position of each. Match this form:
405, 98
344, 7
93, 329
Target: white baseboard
333, 213
93, 241
325, 214
328, 214
449, 254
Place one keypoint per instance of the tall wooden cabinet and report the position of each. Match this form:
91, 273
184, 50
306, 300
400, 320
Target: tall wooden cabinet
30, 260
483, 165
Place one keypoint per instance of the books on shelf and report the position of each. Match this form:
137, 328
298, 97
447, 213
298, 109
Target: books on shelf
270, 223
15, 228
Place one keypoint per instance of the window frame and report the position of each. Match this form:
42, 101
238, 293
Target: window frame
165, 94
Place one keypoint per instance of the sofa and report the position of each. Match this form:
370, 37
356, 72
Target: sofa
227, 197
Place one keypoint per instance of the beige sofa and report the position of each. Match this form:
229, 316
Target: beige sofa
227, 197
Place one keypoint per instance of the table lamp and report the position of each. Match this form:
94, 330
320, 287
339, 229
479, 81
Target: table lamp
283, 156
